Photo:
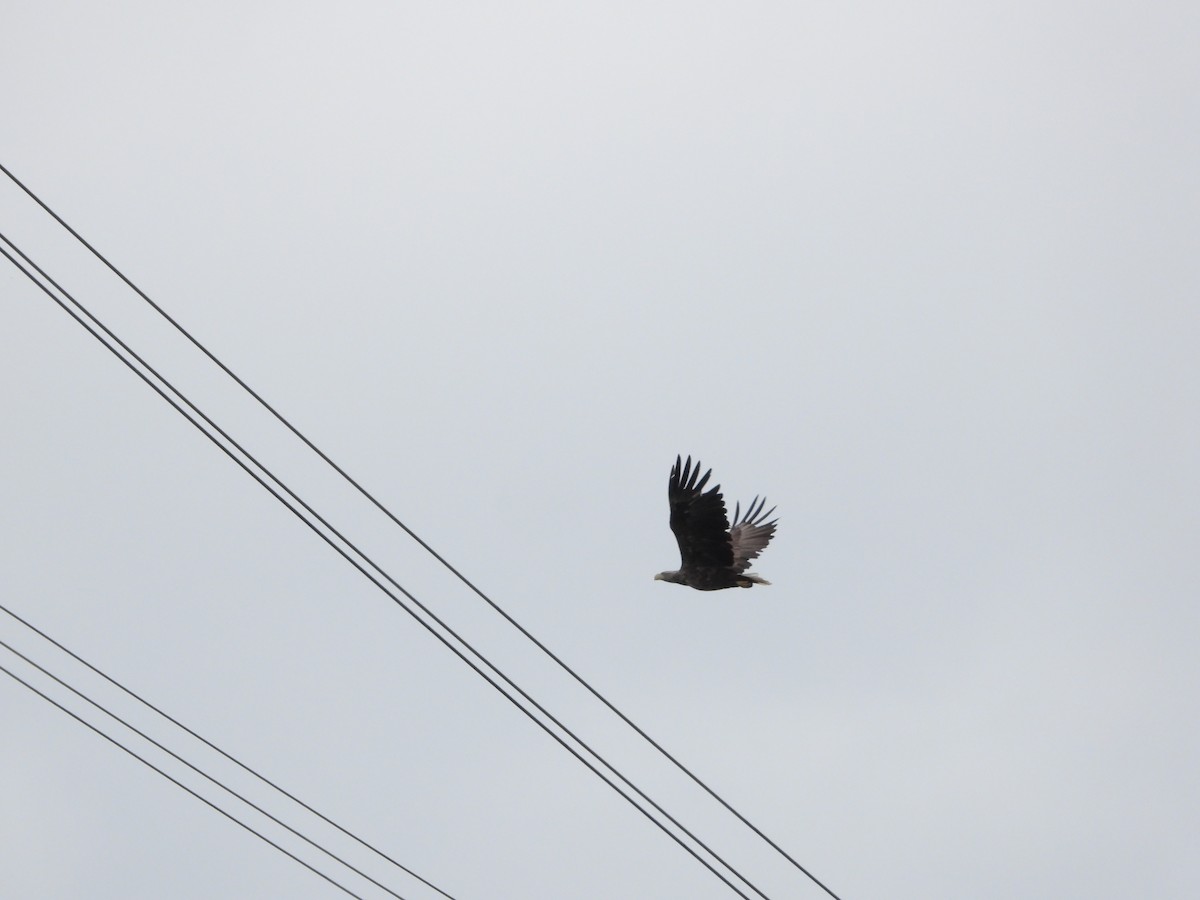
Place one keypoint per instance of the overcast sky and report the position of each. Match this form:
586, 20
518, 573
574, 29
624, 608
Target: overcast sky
925, 275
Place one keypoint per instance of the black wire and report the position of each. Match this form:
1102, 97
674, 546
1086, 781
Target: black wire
374, 565
387, 512
179, 784
199, 771
213, 746
371, 578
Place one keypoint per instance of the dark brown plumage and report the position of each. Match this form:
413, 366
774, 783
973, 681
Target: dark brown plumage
713, 555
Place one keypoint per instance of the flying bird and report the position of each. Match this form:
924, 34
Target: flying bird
713, 555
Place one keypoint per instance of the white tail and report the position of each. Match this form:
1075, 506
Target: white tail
746, 578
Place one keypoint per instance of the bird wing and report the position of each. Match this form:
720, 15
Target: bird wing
698, 517
750, 533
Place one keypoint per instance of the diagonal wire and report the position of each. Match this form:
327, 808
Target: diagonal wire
201, 772
346, 555
387, 512
178, 784
213, 746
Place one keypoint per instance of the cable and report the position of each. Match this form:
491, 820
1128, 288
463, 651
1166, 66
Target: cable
421, 542
374, 565
387, 512
199, 771
213, 746
179, 784
367, 574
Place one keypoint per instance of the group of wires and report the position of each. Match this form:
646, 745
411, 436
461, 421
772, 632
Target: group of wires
738, 882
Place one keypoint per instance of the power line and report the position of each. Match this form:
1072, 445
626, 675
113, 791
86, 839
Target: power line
387, 512
346, 555
199, 771
377, 568
213, 746
179, 784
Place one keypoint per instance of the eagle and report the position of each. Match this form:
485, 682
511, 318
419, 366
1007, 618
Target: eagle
713, 555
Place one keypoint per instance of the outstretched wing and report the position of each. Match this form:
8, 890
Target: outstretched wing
750, 533
698, 517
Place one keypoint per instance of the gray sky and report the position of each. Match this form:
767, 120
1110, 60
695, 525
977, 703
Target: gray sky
925, 276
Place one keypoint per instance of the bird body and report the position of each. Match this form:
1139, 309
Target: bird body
713, 554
